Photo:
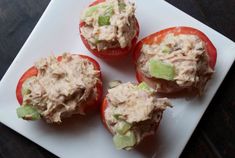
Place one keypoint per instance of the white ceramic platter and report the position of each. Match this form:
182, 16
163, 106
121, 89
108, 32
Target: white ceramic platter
57, 32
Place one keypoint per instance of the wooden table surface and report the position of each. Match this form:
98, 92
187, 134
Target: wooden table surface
215, 135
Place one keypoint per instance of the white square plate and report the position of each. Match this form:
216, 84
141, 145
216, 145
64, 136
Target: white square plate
57, 32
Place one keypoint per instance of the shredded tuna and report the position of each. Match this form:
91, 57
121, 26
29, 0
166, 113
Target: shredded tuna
188, 55
138, 107
118, 34
61, 87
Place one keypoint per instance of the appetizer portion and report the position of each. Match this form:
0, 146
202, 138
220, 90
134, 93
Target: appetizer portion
178, 58
109, 29
55, 88
131, 112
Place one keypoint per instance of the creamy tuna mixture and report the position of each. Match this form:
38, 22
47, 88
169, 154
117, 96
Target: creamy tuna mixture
110, 24
134, 111
61, 88
186, 54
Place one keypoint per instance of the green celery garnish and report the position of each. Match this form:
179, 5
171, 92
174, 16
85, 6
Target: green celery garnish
28, 113
144, 86
104, 20
122, 6
161, 70
122, 127
124, 141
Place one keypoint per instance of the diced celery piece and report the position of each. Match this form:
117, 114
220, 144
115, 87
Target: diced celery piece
144, 86
124, 141
122, 127
116, 116
104, 20
166, 49
89, 12
108, 11
161, 70
28, 113
122, 6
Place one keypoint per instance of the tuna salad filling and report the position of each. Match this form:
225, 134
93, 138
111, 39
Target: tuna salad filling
110, 24
60, 89
133, 112
179, 59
